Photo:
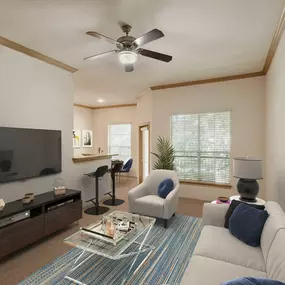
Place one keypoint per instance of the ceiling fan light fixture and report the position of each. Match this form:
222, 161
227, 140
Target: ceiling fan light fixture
128, 56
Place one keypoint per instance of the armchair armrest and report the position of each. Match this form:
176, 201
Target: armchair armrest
214, 214
171, 202
137, 192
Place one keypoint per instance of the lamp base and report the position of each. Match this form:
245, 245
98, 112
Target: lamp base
248, 189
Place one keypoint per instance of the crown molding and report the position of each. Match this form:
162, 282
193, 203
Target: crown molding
114, 106
104, 107
207, 81
83, 106
275, 42
142, 94
27, 51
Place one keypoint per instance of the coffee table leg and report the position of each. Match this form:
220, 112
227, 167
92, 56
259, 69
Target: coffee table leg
76, 266
136, 257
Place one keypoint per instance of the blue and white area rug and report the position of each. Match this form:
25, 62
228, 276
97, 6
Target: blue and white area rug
174, 247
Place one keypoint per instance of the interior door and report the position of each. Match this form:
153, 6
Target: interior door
144, 151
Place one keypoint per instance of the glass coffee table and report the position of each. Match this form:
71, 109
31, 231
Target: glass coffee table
93, 240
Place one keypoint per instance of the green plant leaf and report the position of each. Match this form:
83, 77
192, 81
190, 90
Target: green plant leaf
165, 156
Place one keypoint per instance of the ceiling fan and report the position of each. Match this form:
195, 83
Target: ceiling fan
129, 47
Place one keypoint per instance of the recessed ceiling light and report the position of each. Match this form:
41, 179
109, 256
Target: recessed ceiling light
100, 100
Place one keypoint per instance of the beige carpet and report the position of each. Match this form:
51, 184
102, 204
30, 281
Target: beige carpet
23, 263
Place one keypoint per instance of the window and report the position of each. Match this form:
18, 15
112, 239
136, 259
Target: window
119, 140
202, 146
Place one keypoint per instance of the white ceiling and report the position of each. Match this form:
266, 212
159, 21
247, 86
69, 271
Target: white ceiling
207, 38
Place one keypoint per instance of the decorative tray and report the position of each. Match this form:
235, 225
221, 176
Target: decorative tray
100, 231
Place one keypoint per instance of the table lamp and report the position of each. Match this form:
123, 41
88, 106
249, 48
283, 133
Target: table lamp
248, 170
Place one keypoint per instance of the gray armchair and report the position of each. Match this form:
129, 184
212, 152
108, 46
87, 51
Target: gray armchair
144, 200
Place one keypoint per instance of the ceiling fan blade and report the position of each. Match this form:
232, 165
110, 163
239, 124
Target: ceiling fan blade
100, 55
149, 37
129, 67
102, 37
155, 55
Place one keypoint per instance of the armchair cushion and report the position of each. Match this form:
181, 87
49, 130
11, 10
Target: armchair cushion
150, 205
165, 187
139, 191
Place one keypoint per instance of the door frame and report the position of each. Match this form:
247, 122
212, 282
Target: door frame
140, 158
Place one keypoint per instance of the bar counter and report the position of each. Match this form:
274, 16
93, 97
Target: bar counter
90, 157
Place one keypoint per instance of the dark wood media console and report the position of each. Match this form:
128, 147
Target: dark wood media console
48, 214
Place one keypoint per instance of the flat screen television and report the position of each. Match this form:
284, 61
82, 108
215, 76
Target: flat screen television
28, 153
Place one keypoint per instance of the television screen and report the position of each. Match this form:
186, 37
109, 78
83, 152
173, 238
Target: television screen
27, 153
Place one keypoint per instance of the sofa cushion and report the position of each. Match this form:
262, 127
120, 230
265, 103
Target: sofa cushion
273, 208
207, 271
274, 223
218, 243
150, 205
246, 224
276, 257
253, 281
234, 204
165, 187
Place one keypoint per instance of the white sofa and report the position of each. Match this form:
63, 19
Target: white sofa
144, 200
219, 256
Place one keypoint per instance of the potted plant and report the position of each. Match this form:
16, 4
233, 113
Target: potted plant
165, 154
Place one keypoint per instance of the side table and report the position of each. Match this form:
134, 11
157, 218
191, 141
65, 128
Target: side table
219, 202
259, 201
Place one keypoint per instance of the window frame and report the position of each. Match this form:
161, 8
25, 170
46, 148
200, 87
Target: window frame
200, 182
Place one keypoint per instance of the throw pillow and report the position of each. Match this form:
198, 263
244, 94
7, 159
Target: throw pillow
165, 187
246, 224
253, 281
233, 206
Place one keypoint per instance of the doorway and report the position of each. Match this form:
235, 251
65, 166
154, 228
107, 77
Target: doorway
144, 151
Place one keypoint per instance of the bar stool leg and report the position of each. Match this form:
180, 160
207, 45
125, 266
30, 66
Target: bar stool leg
113, 201
97, 209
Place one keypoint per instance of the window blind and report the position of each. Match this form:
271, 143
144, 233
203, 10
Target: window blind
119, 140
202, 146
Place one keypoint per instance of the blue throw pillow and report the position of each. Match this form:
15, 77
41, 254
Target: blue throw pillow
246, 224
165, 187
253, 281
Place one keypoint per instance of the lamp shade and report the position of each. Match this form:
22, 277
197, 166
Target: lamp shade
247, 168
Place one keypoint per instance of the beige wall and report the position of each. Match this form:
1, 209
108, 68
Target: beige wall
104, 117
37, 95
42, 99
245, 98
275, 120
144, 107
82, 120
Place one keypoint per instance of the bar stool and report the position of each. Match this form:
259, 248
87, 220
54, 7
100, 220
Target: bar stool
97, 210
114, 202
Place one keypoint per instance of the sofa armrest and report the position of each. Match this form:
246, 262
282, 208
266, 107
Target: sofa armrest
214, 214
171, 202
139, 191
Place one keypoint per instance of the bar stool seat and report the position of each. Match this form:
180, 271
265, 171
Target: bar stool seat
116, 168
97, 209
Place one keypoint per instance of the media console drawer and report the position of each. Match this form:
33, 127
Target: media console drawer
62, 216
21, 234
